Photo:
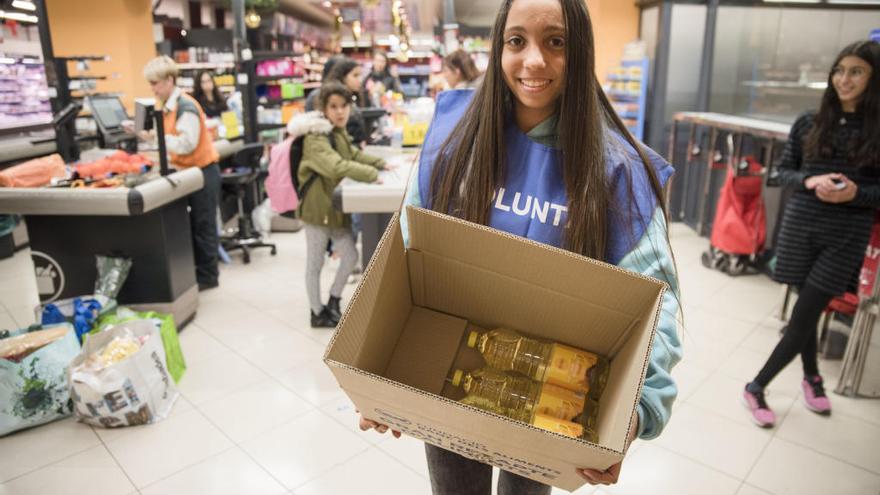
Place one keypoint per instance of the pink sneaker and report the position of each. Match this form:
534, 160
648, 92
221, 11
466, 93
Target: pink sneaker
761, 413
814, 395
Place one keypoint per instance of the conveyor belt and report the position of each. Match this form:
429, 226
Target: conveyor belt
105, 202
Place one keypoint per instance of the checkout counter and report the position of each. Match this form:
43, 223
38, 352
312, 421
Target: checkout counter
148, 223
377, 202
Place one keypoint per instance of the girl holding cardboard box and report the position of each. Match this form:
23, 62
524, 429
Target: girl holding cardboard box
538, 151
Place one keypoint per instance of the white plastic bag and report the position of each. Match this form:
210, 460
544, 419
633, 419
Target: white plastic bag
134, 391
262, 217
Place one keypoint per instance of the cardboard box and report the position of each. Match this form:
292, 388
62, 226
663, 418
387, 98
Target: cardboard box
403, 330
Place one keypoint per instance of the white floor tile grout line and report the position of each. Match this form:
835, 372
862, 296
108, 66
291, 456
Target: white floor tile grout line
119, 464
386, 454
700, 462
184, 468
279, 425
31, 471
821, 453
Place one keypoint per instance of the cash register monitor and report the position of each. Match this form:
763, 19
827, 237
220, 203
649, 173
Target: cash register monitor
109, 114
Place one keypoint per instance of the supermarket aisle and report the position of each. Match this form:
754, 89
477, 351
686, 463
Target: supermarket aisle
260, 414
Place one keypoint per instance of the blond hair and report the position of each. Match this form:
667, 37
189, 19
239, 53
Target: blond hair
160, 68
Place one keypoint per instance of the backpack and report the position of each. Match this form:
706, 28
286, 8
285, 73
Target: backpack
296, 155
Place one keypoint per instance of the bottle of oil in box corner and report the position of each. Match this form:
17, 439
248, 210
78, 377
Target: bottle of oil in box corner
543, 405
548, 362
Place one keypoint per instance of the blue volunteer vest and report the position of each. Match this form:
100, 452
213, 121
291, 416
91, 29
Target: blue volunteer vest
532, 202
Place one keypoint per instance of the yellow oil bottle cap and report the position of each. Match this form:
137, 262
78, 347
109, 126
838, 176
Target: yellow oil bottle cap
472, 339
456, 378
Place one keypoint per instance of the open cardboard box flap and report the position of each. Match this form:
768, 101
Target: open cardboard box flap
404, 329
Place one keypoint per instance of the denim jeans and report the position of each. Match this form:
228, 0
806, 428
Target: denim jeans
203, 224
453, 474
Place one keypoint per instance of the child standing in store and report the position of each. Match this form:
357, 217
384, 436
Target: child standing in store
540, 126
328, 157
832, 159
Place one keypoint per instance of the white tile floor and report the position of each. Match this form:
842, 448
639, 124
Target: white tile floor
261, 415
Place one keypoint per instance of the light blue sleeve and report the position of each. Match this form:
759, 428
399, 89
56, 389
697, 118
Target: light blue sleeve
412, 197
652, 257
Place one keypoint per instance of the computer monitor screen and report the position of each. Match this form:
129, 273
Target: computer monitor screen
109, 112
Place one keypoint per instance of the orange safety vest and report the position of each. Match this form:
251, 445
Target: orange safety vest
204, 154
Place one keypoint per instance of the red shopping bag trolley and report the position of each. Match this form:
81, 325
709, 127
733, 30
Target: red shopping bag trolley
740, 227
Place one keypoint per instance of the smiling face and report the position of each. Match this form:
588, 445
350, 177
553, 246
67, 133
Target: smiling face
533, 59
850, 78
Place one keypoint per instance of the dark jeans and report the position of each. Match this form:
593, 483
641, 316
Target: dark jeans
800, 336
203, 223
452, 474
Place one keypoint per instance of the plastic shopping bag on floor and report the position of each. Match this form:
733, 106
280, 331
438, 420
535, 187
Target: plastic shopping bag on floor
165, 323
81, 311
120, 377
33, 376
112, 273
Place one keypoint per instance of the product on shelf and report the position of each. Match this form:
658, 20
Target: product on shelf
548, 362
518, 397
24, 93
280, 67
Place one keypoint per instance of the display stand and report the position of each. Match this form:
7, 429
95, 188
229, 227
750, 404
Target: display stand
628, 93
252, 100
148, 223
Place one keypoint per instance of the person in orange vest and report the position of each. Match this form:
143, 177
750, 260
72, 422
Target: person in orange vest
189, 144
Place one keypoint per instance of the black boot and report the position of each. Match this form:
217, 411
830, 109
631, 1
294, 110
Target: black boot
332, 309
322, 319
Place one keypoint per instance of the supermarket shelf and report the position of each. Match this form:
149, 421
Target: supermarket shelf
270, 127
275, 55
631, 105
818, 85
615, 78
81, 58
624, 95
268, 79
206, 65
278, 101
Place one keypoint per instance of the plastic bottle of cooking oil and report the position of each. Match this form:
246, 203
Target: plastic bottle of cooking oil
548, 362
543, 405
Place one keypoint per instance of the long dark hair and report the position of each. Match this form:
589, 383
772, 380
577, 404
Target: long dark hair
461, 61
199, 93
864, 150
386, 72
341, 69
471, 163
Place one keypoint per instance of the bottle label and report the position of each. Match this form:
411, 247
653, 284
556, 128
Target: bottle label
559, 402
569, 367
558, 425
